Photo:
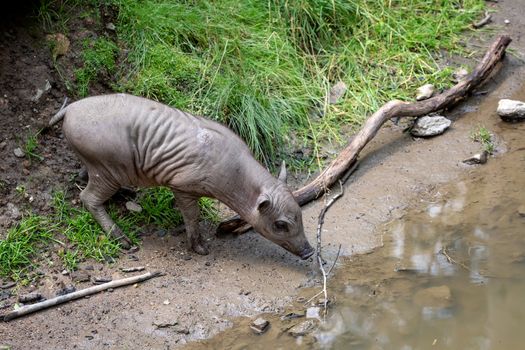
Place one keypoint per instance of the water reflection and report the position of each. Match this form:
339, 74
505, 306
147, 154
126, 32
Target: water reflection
450, 276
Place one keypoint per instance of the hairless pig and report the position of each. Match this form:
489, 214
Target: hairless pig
125, 140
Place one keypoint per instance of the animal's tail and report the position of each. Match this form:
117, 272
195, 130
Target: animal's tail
60, 114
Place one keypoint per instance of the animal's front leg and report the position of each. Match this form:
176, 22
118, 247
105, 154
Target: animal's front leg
189, 207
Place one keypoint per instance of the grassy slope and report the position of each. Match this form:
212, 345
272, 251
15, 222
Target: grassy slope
263, 68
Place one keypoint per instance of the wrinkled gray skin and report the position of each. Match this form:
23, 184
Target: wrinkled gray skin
125, 140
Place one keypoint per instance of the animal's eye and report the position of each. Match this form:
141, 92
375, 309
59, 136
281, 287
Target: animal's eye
281, 226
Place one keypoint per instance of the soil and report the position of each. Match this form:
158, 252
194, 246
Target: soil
242, 276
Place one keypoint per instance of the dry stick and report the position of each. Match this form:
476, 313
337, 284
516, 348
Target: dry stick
483, 22
392, 109
78, 294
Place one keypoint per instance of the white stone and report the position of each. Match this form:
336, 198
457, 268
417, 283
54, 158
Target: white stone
424, 92
134, 207
430, 126
511, 109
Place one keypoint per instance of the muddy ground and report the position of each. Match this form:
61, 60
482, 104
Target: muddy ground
243, 276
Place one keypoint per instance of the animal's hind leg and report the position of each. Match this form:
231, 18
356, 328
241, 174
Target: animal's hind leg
189, 208
93, 198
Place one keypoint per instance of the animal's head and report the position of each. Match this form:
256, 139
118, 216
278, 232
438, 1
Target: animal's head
278, 218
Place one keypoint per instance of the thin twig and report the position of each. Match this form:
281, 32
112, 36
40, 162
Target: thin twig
25, 310
320, 223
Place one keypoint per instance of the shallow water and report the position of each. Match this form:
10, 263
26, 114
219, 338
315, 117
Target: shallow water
450, 273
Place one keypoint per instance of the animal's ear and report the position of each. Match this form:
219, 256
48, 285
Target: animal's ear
283, 174
263, 203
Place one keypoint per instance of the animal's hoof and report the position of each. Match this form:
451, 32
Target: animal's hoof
124, 241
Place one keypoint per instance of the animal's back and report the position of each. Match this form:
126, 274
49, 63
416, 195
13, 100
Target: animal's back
131, 138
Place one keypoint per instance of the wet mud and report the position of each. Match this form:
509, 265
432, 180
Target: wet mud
450, 273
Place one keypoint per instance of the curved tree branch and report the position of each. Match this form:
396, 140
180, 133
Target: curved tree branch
392, 109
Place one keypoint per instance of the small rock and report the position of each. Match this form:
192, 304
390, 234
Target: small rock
80, 276
302, 328
292, 315
161, 232
166, 302
7, 285
164, 324
30, 298
5, 294
478, 158
521, 210
2, 145
459, 75
19, 153
133, 207
66, 290
434, 296
40, 92
313, 312
259, 326
424, 92
14, 211
133, 249
511, 110
60, 44
65, 272
101, 280
430, 126
506, 21
111, 26
336, 92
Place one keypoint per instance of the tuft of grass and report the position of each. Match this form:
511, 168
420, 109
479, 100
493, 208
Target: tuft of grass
22, 243
483, 136
99, 62
31, 145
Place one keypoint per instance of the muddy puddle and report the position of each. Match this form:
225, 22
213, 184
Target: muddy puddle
450, 273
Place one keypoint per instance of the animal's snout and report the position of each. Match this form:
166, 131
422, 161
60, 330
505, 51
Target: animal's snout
307, 252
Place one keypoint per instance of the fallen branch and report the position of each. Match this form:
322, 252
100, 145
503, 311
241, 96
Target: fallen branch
25, 310
392, 109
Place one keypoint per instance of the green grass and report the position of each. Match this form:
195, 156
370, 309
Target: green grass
31, 145
99, 62
21, 243
264, 67
81, 235
483, 136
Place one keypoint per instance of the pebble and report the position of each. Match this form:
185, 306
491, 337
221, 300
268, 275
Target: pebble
521, 210
162, 232
133, 207
66, 290
111, 26
101, 280
259, 326
337, 92
459, 75
302, 328
430, 126
424, 92
2, 145
164, 324
511, 110
313, 312
19, 153
478, 158
30, 297
166, 302
14, 211
80, 276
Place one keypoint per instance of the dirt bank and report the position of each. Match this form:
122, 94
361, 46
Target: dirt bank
242, 276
